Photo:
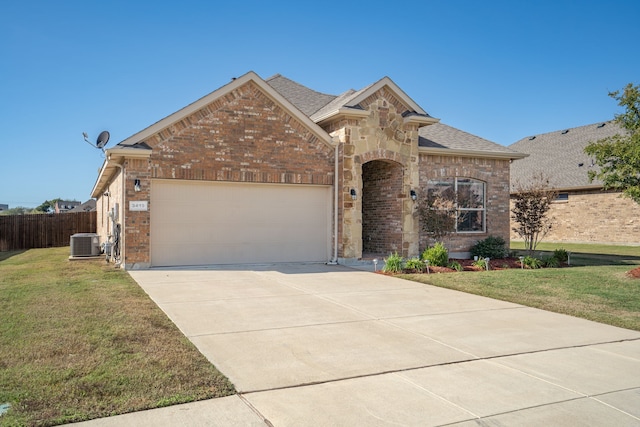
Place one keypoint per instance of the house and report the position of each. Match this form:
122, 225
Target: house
583, 211
88, 206
272, 171
62, 206
4, 207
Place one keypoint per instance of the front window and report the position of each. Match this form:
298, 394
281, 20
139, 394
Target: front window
464, 198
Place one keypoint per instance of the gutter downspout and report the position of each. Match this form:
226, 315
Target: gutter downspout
334, 261
121, 213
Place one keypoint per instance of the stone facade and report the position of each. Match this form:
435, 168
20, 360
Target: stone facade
382, 136
593, 216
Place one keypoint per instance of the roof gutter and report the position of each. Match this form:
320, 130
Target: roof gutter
472, 153
342, 112
114, 156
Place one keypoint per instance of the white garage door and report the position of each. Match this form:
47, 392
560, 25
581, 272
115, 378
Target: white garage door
197, 223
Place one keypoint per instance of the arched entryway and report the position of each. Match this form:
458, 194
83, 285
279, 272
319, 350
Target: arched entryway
382, 199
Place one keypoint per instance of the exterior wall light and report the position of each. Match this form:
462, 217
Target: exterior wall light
353, 194
413, 195
136, 185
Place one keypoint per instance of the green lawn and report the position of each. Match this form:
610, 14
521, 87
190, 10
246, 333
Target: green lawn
81, 340
595, 287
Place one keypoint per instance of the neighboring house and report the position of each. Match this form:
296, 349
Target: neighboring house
88, 206
583, 212
62, 206
4, 207
272, 171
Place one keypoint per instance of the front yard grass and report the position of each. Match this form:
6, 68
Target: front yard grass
596, 287
81, 340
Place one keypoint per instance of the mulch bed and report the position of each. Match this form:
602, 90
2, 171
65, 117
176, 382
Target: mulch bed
497, 264
635, 273
467, 265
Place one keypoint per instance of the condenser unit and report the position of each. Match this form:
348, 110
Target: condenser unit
85, 244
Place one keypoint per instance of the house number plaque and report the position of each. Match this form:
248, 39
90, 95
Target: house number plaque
138, 205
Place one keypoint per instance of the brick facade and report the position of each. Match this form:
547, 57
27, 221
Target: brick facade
382, 198
593, 216
246, 134
241, 137
494, 173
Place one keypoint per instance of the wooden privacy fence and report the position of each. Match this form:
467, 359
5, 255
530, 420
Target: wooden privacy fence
43, 230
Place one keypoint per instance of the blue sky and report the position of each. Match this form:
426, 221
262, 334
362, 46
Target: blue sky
502, 70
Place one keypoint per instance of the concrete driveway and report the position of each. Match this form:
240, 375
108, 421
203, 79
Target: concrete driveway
329, 345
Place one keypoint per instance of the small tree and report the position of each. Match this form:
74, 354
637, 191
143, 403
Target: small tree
437, 212
619, 156
531, 204
47, 206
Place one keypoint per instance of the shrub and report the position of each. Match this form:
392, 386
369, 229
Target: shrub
492, 247
436, 255
531, 262
551, 262
561, 255
393, 264
415, 264
455, 265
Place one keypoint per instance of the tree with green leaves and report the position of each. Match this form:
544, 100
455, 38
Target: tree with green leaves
47, 206
18, 210
531, 205
618, 156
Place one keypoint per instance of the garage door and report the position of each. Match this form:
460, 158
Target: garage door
197, 223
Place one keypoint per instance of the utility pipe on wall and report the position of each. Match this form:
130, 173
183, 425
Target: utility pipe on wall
334, 261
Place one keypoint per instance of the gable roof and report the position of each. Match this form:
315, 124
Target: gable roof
441, 139
560, 155
320, 106
349, 104
207, 99
88, 206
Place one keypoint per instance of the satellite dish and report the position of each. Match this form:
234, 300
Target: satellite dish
102, 140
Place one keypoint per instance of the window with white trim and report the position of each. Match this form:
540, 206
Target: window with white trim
462, 197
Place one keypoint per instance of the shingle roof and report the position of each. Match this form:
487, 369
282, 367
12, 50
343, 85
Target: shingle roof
306, 100
439, 135
336, 103
560, 155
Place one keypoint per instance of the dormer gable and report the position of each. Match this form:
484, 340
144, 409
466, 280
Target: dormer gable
354, 104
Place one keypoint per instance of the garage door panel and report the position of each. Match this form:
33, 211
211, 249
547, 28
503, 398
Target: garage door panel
196, 223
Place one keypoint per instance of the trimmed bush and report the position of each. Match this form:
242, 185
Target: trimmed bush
436, 255
492, 247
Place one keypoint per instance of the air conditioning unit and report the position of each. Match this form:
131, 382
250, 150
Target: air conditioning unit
85, 244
